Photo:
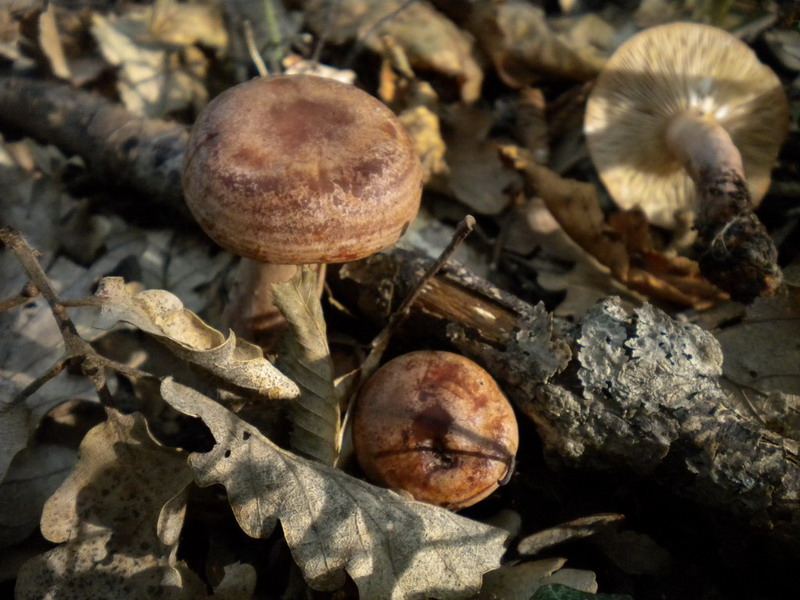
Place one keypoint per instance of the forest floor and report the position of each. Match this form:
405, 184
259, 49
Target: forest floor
145, 451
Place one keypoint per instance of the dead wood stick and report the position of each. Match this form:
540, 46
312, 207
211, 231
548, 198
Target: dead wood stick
617, 391
117, 145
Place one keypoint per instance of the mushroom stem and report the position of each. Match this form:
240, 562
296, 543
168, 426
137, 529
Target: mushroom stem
713, 162
250, 311
735, 249
702, 145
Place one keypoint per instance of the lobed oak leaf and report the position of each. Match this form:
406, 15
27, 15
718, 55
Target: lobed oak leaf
118, 529
392, 547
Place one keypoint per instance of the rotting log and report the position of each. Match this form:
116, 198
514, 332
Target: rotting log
623, 390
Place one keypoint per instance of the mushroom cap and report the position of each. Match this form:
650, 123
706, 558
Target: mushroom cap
301, 169
436, 425
660, 73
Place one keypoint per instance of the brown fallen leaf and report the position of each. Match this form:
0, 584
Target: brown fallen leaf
523, 47
161, 314
560, 264
622, 243
430, 40
392, 547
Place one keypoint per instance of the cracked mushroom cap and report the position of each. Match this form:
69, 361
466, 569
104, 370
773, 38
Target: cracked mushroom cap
659, 74
301, 169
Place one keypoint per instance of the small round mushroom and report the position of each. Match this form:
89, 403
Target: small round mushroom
297, 170
679, 103
435, 425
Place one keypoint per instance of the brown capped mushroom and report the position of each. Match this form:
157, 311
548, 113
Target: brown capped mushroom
437, 426
297, 170
684, 116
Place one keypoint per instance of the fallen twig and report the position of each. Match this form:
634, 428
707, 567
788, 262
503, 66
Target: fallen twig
77, 351
119, 146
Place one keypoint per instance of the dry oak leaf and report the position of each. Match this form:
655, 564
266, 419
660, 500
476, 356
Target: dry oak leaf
392, 547
118, 529
162, 315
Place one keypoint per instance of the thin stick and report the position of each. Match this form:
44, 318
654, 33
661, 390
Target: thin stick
255, 55
92, 364
37, 383
75, 344
380, 342
28, 292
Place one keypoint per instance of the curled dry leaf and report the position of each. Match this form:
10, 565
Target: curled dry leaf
430, 40
162, 315
392, 547
118, 528
623, 243
522, 46
306, 359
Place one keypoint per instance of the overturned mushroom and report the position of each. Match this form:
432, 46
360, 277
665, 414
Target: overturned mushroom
437, 426
684, 116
